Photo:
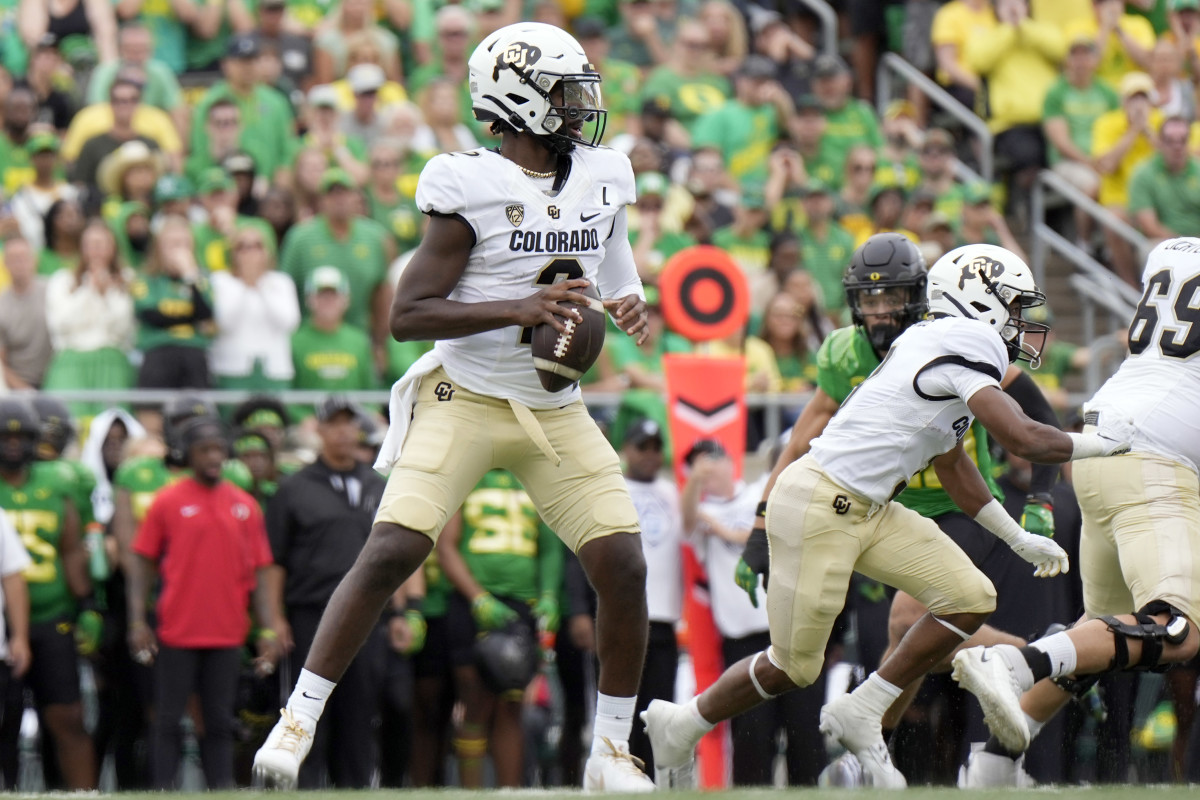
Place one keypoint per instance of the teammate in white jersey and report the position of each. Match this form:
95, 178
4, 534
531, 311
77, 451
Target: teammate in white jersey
514, 231
831, 512
1140, 542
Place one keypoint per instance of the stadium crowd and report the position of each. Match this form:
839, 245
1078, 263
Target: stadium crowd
206, 194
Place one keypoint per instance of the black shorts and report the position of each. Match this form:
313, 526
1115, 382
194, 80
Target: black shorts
971, 537
173, 366
433, 660
461, 630
54, 671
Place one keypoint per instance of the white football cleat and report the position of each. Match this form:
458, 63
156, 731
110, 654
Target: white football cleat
615, 770
844, 772
277, 762
985, 673
992, 771
845, 723
674, 750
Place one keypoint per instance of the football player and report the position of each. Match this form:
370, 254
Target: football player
885, 290
832, 512
513, 232
39, 498
1141, 531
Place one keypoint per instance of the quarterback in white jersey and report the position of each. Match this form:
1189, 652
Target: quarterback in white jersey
830, 513
513, 232
1140, 541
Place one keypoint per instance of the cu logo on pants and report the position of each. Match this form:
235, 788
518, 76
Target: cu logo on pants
841, 504
443, 391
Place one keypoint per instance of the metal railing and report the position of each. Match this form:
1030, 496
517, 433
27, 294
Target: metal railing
892, 64
1103, 297
829, 24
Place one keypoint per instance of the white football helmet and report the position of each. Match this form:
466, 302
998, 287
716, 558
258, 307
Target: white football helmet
989, 283
537, 79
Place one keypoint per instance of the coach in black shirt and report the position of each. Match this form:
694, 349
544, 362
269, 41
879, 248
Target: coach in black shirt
318, 522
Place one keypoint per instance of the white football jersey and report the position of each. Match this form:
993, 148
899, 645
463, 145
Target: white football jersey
657, 505
1158, 385
912, 408
524, 241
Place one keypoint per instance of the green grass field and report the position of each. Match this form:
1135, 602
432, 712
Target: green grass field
915, 793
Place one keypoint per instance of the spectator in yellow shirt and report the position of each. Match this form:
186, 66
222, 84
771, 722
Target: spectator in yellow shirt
153, 123
1122, 139
1019, 59
1125, 40
953, 25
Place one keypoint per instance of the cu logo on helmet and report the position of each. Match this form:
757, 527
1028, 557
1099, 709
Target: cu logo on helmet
986, 267
519, 55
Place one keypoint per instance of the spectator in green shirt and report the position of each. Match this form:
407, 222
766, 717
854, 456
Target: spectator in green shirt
324, 133
981, 223
135, 47
746, 127
222, 138
642, 36
20, 110
328, 353
749, 244
266, 118
361, 247
1164, 193
652, 245
849, 121
386, 203
222, 222
688, 84
167, 29
936, 162
807, 131
1072, 105
826, 246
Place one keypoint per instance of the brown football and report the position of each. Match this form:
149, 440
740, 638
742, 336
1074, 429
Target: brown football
561, 358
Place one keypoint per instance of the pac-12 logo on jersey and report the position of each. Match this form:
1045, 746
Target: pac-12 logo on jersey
517, 54
515, 214
990, 268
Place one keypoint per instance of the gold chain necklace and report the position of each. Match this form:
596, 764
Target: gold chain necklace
541, 175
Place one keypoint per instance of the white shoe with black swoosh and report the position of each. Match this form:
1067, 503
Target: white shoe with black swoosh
986, 673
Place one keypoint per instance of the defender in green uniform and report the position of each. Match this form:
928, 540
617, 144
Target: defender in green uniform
507, 567
885, 290
39, 498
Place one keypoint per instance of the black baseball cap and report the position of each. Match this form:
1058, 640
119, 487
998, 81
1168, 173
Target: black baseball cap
642, 431
336, 404
243, 45
705, 447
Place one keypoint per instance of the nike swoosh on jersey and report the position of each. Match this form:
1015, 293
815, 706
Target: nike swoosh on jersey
588, 217
309, 696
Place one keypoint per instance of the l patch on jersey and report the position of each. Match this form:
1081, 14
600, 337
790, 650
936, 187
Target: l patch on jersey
515, 214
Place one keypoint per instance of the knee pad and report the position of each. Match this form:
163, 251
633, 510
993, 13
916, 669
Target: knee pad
1150, 632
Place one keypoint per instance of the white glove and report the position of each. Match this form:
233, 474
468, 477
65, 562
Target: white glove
1048, 558
1045, 554
1112, 439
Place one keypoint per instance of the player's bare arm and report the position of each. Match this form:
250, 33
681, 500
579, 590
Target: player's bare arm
422, 312
1016, 432
962, 480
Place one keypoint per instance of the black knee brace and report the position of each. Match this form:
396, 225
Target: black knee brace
1150, 632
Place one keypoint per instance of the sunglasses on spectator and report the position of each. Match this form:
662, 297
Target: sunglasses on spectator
453, 33
249, 244
1175, 140
126, 100
384, 164
935, 151
225, 122
863, 167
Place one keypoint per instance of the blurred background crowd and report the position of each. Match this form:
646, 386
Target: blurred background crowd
218, 194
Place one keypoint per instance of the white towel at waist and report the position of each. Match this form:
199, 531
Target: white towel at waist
400, 408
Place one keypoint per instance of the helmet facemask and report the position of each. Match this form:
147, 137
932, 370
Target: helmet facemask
909, 309
1015, 330
574, 102
15, 456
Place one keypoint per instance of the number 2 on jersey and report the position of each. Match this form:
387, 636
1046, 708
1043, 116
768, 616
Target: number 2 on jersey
1180, 337
559, 269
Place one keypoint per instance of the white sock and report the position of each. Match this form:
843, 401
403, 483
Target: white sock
1035, 727
614, 721
701, 725
1061, 650
1016, 662
876, 694
309, 697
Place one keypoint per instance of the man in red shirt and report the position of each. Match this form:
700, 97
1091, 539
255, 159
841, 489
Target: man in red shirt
207, 541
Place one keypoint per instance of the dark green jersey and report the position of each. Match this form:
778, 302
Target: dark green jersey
504, 542
437, 587
38, 510
844, 361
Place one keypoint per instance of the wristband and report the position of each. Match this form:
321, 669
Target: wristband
268, 634
761, 511
996, 519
